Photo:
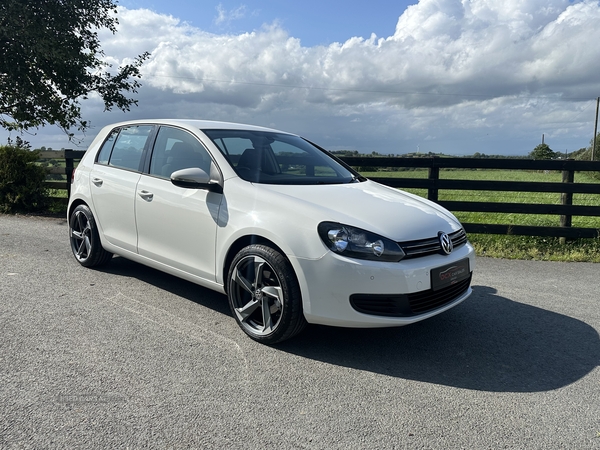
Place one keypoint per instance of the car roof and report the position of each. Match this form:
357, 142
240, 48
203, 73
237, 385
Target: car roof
199, 124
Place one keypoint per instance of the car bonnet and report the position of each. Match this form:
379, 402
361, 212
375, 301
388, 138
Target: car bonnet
392, 213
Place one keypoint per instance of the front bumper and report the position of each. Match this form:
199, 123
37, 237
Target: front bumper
327, 285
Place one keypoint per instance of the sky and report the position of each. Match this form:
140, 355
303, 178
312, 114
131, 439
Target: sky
395, 77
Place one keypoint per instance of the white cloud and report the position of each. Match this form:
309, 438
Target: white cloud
225, 17
456, 76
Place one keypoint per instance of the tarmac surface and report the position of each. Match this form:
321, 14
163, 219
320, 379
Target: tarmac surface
129, 357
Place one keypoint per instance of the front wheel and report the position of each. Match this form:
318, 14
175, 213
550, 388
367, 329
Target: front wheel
264, 295
85, 241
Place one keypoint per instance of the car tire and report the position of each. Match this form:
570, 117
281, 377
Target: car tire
264, 295
85, 241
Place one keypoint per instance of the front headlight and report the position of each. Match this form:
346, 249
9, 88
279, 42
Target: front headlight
357, 243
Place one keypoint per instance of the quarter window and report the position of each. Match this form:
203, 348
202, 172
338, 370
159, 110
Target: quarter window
104, 153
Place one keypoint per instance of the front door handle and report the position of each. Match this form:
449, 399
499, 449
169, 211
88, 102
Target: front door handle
97, 181
148, 196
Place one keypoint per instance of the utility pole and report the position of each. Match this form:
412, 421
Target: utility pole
595, 127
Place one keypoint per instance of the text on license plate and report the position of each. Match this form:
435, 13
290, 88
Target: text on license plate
445, 276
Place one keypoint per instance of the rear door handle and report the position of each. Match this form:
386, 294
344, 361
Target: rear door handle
148, 196
97, 181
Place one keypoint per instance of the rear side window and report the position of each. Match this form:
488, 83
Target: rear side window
124, 147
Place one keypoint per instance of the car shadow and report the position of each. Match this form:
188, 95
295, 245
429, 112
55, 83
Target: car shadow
177, 286
488, 343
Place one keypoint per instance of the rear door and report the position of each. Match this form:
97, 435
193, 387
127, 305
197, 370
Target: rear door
114, 178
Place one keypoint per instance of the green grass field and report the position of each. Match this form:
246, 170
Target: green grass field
517, 247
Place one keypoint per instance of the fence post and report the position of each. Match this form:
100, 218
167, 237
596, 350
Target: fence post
568, 176
69, 167
434, 176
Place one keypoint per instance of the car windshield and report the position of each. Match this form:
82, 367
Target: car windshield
278, 158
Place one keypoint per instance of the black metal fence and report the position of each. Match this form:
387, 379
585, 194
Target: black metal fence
566, 210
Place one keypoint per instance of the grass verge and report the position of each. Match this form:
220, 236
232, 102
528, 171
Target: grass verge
536, 248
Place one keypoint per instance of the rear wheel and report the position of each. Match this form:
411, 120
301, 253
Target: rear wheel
85, 241
264, 295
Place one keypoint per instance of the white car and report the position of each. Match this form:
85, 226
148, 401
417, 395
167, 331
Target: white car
291, 234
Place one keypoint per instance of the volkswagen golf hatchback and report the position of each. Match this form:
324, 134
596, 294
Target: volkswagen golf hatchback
288, 232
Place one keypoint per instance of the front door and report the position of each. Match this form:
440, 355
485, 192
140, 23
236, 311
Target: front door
177, 226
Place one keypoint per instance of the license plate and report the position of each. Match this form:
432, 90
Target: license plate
450, 274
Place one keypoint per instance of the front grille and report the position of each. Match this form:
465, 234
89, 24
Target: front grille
407, 305
431, 246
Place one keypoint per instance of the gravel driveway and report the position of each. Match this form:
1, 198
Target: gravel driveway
128, 357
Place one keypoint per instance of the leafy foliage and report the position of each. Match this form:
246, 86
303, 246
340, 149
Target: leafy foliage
585, 154
50, 58
542, 151
21, 180
578, 154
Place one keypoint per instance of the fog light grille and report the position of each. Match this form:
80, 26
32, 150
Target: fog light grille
407, 305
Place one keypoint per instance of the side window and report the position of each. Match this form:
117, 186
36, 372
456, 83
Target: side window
177, 149
129, 146
104, 153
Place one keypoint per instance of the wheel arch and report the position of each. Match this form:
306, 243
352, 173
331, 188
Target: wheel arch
74, 205
245, 241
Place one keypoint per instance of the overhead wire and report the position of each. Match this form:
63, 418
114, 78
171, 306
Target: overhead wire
366, 91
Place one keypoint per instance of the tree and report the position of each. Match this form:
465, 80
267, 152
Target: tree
585, 153
596, 152
51, 58
542, 151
